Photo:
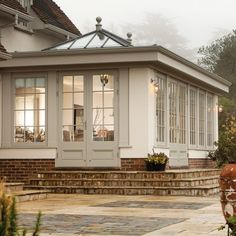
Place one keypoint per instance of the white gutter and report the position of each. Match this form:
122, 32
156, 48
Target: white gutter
60, 31
15, 12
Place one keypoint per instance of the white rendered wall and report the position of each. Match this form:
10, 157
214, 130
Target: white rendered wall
25, 41
141, 114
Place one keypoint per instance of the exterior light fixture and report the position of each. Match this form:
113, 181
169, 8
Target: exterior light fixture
104, 79
155, 85
220, 108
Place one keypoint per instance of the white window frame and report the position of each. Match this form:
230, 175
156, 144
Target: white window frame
25, 76
211, 120
193, 145
161, 80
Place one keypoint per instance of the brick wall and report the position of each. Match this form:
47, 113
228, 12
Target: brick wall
201, 163
18, 170
21, 170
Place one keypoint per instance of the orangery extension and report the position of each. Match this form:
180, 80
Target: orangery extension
97, 101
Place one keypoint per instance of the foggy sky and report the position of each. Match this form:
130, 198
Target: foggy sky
196, 22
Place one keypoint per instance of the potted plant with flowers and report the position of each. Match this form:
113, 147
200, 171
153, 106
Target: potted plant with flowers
156, 161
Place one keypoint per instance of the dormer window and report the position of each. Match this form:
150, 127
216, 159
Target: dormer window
26, 4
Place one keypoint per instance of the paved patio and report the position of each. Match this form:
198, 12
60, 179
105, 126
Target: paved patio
66, 215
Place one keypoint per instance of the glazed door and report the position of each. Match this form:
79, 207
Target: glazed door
177, 123
87, 120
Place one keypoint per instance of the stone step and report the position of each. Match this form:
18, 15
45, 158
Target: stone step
169, 174
204, 190
127, 182
13, 187
30, 195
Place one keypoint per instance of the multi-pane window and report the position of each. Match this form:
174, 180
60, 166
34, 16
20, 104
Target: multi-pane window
103, 107
182, 114
29, 110
192, 115
161, 108
73, 108
210, 120
202, 118
173, 112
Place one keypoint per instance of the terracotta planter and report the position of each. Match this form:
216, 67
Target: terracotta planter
227, 183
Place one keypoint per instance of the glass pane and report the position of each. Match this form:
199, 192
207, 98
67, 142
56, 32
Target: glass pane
29, 102
40, 101
97, 84
30, 86
19, 86
39, 134
19, 118
79, 133
97, 116
82, 42
112, 43
98, 133
78, 100
19, 134
19, 102
97, 100
67, 83
108, 116
79, 117
63, 46
108, 99
68, 133
98, 41
29, 134
78, 83
29, 118
110, 83
40, 85
68, 117
41, 117
110, 133
68, 100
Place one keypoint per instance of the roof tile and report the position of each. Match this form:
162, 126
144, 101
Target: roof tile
50, 13
14, 4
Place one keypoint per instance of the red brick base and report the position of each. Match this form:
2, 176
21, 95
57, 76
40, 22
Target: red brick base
201, 163
21, 170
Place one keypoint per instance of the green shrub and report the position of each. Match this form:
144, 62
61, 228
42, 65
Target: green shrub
226, 146
8, 217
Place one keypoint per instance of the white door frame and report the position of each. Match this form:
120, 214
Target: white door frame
88, 153
178, 135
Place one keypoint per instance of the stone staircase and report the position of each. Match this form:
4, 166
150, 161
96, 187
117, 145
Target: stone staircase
22, 195
173, 182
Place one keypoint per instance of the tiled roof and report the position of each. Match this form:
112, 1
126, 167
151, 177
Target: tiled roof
14, 4
50, 13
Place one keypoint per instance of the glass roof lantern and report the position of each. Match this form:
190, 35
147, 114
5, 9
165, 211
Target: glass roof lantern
99, 38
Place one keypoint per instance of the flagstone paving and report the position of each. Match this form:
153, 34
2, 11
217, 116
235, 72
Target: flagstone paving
68, 215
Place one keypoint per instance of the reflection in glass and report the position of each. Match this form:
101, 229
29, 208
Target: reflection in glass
30, 114
68, 100
108, 99
97, 99
79, 99
68, 117
19, 118
19, 102
108, 116
29, 102
78, 83
103, 133
67, 83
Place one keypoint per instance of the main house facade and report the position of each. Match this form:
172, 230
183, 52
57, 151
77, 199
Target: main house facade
97, 101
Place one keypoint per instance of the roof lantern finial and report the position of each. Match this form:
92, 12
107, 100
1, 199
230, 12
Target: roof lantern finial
129, 37
99, 25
